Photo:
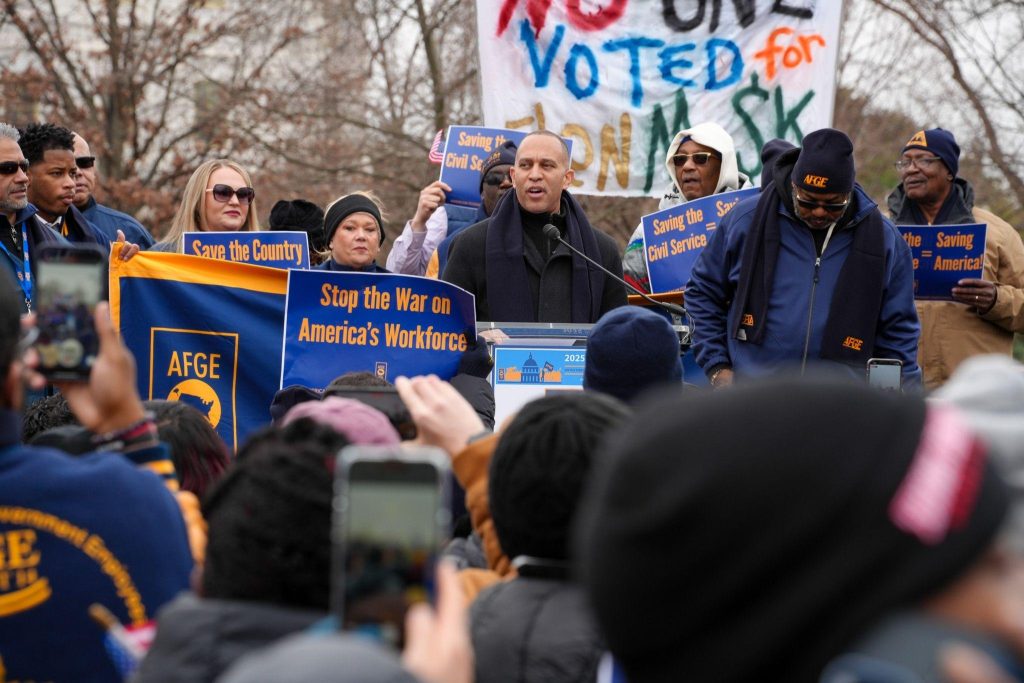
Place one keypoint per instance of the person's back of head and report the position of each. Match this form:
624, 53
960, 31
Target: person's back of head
270, 519
300, 215
538, 468
629, 350
199, 454
716, 526
45, 414
357, 379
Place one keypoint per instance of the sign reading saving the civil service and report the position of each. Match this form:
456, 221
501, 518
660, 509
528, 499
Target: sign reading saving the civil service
466, 148
621, 77
944, 254
387, 324
675, 237
276, 249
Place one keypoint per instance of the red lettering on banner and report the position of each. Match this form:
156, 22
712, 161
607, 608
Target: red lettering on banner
537, 13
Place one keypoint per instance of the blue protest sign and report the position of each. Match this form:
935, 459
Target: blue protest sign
466, 148
276, 249
203, 332
674, 237
942, 255
390, 325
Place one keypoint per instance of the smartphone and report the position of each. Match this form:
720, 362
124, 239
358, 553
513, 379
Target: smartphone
384, 399
70, 281
391, 521
885, 373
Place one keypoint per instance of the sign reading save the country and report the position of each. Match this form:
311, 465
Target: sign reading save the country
276, 249
675, 237
386, 324
944, 254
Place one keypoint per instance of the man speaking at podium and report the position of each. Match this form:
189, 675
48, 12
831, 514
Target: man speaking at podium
515, 271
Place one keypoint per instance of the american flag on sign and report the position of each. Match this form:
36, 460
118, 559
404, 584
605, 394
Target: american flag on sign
436, 156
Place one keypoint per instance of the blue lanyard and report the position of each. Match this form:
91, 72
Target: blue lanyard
25, 276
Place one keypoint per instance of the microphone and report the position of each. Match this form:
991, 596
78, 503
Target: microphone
553, 233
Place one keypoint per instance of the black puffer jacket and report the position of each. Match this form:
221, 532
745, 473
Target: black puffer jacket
532, 630
198, 639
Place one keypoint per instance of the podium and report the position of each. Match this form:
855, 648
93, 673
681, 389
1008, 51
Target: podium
536, 360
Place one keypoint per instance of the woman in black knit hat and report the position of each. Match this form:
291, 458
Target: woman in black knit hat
354, 233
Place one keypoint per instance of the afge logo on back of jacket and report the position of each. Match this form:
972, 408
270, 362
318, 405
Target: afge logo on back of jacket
199, 368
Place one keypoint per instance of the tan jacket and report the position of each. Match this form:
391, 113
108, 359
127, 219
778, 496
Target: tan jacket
470, 467
952, 332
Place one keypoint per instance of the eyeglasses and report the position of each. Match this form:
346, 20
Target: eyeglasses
699, 158
11, 167
496, 178
85, 162
222, 193
924, 163
808, 205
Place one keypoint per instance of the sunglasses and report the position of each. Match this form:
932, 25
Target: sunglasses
699, 158
808, 205
11, 167
222, 193
495, 179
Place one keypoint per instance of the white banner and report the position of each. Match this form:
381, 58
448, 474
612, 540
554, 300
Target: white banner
621, 77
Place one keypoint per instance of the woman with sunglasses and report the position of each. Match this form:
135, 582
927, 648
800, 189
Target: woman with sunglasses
218, 197
354, 231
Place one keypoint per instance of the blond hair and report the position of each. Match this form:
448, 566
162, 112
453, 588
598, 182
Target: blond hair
372, 196
191, 215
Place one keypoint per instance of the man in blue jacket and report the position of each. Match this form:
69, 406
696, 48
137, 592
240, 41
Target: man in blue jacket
95, 533
103, 218
808, 273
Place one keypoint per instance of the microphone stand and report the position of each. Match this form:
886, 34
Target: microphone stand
552, 233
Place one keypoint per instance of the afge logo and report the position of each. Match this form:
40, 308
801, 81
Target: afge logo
198, 368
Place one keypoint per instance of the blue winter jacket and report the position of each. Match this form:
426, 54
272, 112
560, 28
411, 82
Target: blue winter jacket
77, 532
715, 277
108, 221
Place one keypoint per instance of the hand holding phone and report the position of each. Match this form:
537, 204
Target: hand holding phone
391, 521
70, 282
885, 373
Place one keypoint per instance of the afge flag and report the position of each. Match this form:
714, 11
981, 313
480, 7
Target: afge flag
621, 77
205, 332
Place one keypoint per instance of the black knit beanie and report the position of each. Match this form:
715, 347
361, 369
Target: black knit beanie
826, 162
299, 214
753, 534
505, 153
346, 206
538, 467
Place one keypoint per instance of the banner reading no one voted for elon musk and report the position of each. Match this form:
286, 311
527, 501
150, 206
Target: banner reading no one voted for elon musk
276, 249
390, 325
675, 237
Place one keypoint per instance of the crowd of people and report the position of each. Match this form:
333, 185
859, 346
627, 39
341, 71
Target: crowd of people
786, 523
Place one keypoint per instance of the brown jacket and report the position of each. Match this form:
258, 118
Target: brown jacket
952, 332
470, 467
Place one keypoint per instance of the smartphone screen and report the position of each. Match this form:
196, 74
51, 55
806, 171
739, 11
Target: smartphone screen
391, 523
70, 281
884, 373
